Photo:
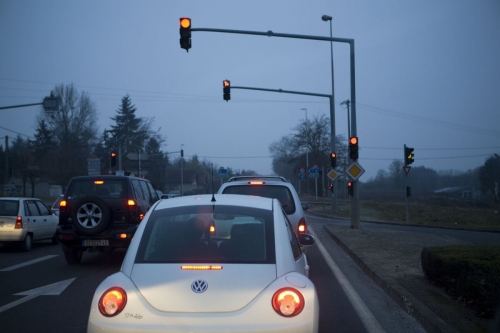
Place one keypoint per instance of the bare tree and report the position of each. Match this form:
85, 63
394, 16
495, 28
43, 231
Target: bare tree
74, 131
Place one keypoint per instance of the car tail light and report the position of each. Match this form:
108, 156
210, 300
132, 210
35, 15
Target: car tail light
201, 267
62, 205
302, 228
112, 301
19, 222
288, 302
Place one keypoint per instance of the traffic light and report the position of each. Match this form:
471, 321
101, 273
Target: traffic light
113, 159
353, 147
331, 187
350, 188
185, 31
227, 89
408, 191
182, 152
409, 155
333, 160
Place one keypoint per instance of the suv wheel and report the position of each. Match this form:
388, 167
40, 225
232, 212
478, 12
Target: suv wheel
73, 256
90, 215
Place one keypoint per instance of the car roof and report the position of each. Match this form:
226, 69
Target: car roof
107, 177
220, 199
18, 198
266, 178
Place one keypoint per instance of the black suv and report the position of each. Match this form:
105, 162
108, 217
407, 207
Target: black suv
102, 213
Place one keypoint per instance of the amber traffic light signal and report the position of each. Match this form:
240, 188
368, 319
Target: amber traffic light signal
409, 155
185, 31
333, 160
226, 90
353, 148
113, 159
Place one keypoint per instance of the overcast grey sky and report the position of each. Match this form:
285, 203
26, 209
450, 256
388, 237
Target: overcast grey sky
427, 73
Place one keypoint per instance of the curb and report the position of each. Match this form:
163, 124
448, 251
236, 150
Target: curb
428, 319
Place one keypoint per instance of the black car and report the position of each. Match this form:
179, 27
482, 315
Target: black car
102, 213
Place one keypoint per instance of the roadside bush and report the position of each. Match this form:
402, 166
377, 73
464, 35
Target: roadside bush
469, 273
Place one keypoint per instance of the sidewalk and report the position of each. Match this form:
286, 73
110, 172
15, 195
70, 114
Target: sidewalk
392, 259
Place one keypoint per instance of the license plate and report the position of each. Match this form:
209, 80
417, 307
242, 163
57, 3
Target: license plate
95, 242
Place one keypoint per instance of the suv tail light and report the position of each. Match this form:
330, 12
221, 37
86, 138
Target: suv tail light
302, 228
131, 204
112, 301
288, 302
19, 222
62, 205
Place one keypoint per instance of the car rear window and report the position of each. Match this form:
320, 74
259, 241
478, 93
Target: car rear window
104, 189
282, 193
9, 207
208, 234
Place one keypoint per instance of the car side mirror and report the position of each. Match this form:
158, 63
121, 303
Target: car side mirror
305, 206
306, 240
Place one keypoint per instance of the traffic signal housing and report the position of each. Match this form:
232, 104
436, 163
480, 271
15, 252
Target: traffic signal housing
185, 31
226, 84
113, 159
409, 155
331, 187
353, 148
350, 188
408, 191
333, 160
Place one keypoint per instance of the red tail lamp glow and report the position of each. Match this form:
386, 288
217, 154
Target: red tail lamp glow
19, 222
112, 301
288, 302
201, 268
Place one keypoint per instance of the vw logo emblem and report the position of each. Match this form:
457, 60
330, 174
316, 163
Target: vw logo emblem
199, 286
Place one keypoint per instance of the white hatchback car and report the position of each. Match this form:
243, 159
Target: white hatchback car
179, 276
271, 187
24, 220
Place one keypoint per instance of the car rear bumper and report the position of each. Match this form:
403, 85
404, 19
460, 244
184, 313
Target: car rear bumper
119, 238
15, 235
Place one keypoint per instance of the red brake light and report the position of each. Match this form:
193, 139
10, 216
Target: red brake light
256, 183
19, 222
201, 267
288, 302
112, 301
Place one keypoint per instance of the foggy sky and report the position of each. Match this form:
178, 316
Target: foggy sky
427, 73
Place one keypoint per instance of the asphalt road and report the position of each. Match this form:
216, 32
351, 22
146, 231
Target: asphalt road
39, 292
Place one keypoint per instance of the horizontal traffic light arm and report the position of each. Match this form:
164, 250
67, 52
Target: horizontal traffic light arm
282, 91
277, 34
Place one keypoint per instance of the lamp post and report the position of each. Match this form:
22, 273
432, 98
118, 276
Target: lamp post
332, 110
307, 148
182, 174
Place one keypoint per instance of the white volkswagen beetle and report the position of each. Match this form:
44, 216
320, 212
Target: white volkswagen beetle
179, 275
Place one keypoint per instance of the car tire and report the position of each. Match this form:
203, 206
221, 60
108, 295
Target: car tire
27, 243
90, 215
72, 255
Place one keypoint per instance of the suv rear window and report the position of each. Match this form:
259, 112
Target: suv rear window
104, 189
282, 193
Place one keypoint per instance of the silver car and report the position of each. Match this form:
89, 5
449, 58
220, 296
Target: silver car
25, 220
271, 187
179, 275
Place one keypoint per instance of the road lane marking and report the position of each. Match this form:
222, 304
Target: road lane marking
53, 289
27, 263
369, 321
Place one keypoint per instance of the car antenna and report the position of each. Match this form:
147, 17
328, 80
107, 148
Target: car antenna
213, 195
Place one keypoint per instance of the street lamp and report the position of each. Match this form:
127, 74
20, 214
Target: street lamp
182, 173
332, 108
307, 139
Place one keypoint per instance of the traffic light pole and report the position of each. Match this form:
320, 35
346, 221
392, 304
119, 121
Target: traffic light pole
269, 33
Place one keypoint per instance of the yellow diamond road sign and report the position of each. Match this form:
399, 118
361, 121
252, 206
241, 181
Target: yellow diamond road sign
355, 170
332, 175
